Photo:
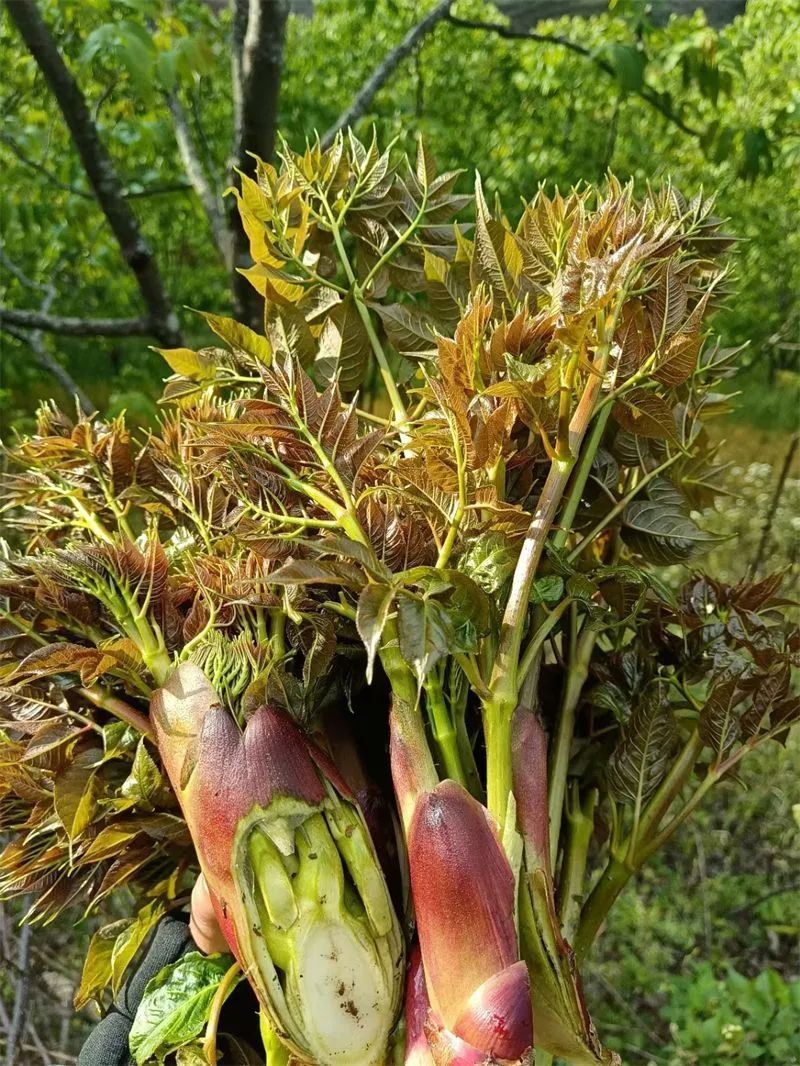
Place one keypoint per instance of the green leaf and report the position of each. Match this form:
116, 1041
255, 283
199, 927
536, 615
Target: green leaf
144, 786
547, 589
75, 792
187, 363
374, 606
175, 1005
426, 633
240, 337
409, 331
489, 561
96, 976
131, 939
629, 63
642, 756
344, 347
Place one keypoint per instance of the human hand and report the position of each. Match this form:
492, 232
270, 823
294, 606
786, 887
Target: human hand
203, 924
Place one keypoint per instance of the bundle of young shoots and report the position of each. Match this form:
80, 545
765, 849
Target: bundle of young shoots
401, 552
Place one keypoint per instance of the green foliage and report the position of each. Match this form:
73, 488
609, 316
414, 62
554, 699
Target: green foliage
733, 1019
667, 978
533, 114
176, 1003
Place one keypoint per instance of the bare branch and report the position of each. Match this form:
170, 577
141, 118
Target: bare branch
51, 365
387, 67
769, 517
99, 167
259, 34
34, 339
31, 164
20, 1011
129, 194
646, 92
72, 326
211, 202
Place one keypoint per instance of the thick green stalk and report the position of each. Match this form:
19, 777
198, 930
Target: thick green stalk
641, 845
106, 701
577, 672
602, 898
505, 680
580, 822
442, 728
497, 734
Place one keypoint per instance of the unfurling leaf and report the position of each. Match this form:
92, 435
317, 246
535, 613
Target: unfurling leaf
718, 724
640, 761
240, 337
426, 632
175, 1005
374, 605
646, 414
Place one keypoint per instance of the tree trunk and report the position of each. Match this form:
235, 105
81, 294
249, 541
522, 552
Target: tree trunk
99, 167
259, 37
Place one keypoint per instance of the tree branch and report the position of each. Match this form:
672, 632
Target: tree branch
100, 169
195, 172
31, 164
129, 194
766, 528
51, 365
646, 92
72, 326
386, 68
34, 339
259, 35
20, 1011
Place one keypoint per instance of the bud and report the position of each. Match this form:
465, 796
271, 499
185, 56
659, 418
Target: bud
292, 870
464, 893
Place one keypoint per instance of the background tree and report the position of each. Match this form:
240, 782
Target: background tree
123, 124
166, 100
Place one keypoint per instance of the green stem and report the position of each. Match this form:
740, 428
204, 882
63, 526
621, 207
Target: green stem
577, 673
619, 871
551, 620
662, 799
98, 696
442, 728
386, 373
603, 896
210, 1040
578, 484
607, 519
580, 821
461, 507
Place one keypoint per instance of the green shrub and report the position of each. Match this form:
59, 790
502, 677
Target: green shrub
733, 1019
